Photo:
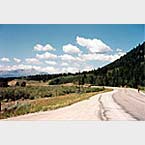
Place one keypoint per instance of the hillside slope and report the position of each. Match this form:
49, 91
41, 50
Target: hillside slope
128, 70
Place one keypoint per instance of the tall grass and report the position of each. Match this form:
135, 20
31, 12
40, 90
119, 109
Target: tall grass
34, 92
60, 96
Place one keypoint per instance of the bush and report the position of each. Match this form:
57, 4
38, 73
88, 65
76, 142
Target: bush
14, 94
88, 90
23, 84
48, 95
17, 84
29, 92
31, 97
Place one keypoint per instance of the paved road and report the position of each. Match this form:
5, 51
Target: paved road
132, 102
120, 104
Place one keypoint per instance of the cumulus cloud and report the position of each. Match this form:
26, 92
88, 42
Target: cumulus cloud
5, 59
17, 60
87, 68
32, 61
70, 69
93, 45
76, 68
119, 50
71, 49
101, 57
67, 57
47, 47
89, 57
72, 60
64, 64
46, 55
121, 53
19, 66
50, 62
49, 69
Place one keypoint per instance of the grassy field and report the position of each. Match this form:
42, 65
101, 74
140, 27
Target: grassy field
40, 99
35, 92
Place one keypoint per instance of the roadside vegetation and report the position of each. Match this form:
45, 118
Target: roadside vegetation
22, 100
142, 89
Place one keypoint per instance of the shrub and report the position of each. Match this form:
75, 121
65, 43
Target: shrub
29, 92
48, 95
17, 84
23, 84
31, 97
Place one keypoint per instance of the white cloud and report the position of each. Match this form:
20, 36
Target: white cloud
19, 66
64, 64
49, 69
69, 69
71, 49
76, 68
32, 61
50, 62
5, 59
121, 53
46, 55
68, 61
67, 57
94, 56
87, 68
88, 57
17, 60
93, 45
47, 47
119, 50
29, 67
101, 57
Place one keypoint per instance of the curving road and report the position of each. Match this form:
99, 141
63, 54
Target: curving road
120, 104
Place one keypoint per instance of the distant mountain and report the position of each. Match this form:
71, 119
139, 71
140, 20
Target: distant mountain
18, 73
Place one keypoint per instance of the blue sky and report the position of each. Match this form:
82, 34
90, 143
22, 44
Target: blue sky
68, 47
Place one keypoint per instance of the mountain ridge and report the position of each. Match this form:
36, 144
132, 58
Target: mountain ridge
127, 70
18, 73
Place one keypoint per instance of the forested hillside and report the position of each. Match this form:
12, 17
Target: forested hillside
128, 70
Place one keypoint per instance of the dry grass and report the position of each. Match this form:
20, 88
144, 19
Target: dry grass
44, 104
